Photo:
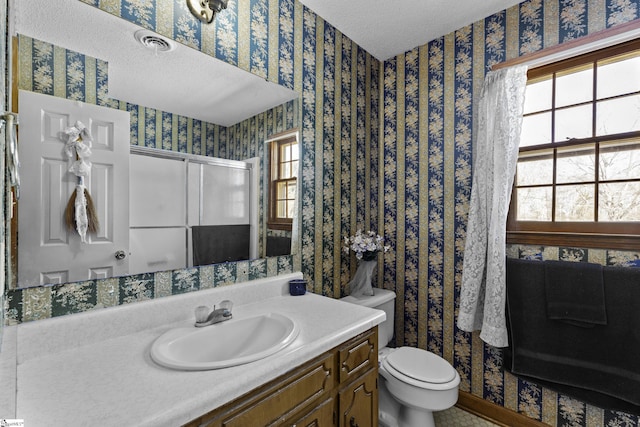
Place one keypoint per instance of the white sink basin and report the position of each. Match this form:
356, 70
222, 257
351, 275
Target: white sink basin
229, 343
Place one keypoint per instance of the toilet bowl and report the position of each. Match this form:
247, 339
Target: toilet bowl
421, 382
413, 382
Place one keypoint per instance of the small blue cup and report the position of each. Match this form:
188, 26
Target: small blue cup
297, 287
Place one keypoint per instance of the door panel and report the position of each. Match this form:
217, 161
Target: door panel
48, 252
53, 176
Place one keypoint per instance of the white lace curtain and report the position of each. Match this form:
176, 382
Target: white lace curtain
483, 291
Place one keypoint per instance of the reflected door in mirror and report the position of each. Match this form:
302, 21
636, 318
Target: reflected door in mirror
48, 251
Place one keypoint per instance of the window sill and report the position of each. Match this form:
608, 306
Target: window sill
578, 240
279, 226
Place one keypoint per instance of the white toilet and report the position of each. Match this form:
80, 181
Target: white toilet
413, 382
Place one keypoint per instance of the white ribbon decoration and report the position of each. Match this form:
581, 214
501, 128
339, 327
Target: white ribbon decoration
79, 147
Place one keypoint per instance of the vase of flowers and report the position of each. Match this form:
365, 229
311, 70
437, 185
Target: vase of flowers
366, 247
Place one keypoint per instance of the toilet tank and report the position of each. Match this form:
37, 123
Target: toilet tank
384, 300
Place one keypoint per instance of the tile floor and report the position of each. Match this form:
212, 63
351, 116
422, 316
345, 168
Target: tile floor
456, 417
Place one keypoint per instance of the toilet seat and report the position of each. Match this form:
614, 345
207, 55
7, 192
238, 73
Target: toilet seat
420, 368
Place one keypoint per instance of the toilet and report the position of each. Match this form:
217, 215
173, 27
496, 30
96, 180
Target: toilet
413, 382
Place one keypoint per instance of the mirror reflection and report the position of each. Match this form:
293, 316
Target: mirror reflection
184, 138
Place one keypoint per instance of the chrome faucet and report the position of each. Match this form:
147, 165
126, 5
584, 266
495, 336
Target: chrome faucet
206, 318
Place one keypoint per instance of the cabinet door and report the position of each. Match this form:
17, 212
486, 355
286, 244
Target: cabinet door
358, 355
358, 402
320, 416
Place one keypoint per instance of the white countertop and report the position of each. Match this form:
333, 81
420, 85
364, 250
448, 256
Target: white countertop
94, 368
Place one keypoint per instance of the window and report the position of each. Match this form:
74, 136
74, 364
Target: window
578, 169
283, 172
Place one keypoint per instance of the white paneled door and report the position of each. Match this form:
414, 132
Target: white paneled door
48, 252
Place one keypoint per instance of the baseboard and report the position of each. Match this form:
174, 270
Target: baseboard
495, 413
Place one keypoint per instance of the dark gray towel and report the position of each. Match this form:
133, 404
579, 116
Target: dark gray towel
603, 359
277, 245
575, 292
214, 244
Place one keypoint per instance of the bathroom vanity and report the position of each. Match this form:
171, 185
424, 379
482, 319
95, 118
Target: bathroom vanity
94, 368
339, 388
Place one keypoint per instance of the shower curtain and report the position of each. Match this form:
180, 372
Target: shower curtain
483, 290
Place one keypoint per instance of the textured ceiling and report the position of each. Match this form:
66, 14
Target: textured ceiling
183, 81
389, 28
193, 84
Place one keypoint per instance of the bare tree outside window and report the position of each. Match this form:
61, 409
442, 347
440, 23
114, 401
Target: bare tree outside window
579, 163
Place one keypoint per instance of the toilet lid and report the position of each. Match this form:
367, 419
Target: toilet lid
421, 365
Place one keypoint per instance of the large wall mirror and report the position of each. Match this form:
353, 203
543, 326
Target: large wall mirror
188, 99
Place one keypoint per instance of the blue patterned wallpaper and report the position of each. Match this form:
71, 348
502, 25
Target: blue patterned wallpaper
53, 70
288, 44
43, 302
387, 147
428, 96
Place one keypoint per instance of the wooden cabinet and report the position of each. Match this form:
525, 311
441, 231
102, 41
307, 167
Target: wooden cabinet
358, 395
336, 389
358, 402
322, 415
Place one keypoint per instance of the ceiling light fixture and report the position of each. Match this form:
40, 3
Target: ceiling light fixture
205, 10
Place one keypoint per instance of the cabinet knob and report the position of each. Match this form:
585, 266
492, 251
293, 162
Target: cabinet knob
120, 255
352, 422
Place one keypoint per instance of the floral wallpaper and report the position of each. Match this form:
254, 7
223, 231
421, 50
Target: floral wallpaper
428, 97
387, 147
53, 70
43, 302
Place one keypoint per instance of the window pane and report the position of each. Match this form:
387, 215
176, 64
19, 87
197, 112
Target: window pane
282, 209
574, 88
574, 202
620, 160
535, 168
574, 122
294, 169
538, 96
294, 151
534, 204
618, 115
576, 164
285, 152
281, 190
291, 209
619, 202
536, 129
291, 190
609, 81
285, 170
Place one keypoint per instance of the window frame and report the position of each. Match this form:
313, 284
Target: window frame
618, 235
274, 146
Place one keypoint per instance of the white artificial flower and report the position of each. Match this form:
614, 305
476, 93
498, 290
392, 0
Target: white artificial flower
364, 242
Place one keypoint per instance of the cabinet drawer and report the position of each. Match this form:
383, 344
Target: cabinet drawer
358, 355
285, 396
320, 416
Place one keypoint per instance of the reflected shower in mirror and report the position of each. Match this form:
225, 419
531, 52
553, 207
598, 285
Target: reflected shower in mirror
108, 63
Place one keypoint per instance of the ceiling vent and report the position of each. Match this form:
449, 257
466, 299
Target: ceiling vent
153, 41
